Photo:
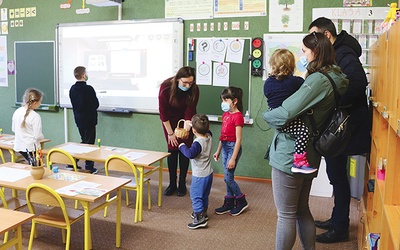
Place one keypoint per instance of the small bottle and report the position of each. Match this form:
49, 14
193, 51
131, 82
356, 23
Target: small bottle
1, 131
98, 142
247, 117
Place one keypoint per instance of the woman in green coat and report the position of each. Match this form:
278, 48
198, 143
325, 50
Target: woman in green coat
291, 191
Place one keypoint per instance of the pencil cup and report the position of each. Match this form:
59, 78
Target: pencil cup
37, 172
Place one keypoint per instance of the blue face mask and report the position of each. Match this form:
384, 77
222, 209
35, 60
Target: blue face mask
303, 61
183, 88
225, 106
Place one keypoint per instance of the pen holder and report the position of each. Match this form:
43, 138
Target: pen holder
37, 172
181, 132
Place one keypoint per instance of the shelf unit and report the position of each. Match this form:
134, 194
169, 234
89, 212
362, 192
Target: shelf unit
380, 210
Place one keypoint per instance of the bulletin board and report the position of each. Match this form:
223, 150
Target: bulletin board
210, 101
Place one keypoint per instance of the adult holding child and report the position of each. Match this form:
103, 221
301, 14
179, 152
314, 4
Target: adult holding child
177, 99
291, 191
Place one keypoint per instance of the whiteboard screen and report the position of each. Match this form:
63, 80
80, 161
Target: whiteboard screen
126, 61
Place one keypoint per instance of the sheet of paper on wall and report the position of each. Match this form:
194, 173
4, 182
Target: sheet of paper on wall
218, 49
234, 53
203, 50
203, 73
357, 26
346, 25
221, 74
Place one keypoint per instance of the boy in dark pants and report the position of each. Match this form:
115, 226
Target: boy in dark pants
202, 174
84, 105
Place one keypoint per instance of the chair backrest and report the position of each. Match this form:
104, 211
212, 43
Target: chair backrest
122, 164
57, 155
3, 201
38, 193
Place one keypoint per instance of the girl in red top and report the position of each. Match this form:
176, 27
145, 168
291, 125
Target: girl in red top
230, 143
177, 100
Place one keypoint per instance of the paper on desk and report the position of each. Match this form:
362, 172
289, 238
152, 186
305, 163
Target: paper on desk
78, 149
134, 155
13, 174
73, 189
7, 142
117, 150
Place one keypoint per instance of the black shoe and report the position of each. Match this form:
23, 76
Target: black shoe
333, 236
182, 190
324, 224
170, 190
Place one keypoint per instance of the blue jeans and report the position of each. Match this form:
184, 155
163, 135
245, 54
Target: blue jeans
232, 188
291, 196
199, 192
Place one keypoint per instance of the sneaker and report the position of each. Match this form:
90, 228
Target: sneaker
71, 168
198, 221
303, 170
205, 215
94, 171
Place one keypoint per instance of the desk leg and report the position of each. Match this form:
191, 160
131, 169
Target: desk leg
160, 180
141, 194
19, 237
118, 222
87, 233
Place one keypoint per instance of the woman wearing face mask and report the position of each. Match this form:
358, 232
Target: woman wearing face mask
291, 191
177, 100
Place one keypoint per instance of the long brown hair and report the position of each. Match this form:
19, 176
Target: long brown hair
324, 54
183, 72
31, 95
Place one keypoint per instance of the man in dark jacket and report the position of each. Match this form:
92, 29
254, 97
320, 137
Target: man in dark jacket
348, 51
84, 105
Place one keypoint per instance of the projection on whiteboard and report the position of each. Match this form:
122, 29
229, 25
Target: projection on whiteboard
126, 61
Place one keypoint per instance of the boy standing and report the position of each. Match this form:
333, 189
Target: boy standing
84, 105
202, 174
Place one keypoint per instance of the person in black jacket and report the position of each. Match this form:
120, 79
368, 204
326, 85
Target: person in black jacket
348, 51
84, 105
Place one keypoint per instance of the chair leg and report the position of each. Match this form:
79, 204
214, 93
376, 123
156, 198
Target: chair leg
63, 234
67, 243
76, 204
33, 234
148, 195
105, 209
5, 237
137, 207
127, 197
2, 156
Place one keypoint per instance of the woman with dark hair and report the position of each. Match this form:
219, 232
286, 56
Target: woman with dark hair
177, 100
291, 191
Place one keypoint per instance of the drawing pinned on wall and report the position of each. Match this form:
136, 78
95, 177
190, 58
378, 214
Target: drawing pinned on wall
280, 18
353, 3
234, 52
203, 73
218, 50
221, 74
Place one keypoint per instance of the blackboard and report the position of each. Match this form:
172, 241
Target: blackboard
35, 68
126, 61
239, 76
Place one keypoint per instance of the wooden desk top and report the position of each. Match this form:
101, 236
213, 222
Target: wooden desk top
7, 141
10, 219
100, 154
107, 182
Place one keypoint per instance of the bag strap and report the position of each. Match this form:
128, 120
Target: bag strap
310, 112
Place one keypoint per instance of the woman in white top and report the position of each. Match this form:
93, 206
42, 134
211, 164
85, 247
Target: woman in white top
27, 124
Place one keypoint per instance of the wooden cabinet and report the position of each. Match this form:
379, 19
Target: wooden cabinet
382, 207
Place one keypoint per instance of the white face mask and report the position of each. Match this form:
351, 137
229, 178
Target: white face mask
225, 106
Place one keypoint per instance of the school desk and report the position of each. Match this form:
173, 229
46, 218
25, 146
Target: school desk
7, 143
16, 176
141, 158
10, 219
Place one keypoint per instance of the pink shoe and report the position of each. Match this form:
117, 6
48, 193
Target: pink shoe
301, 165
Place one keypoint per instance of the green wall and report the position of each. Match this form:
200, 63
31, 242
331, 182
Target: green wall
142, 131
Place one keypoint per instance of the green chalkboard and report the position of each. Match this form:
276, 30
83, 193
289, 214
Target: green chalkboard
35, 68
239, 76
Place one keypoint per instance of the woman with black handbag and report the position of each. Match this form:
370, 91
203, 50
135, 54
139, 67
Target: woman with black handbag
291, 191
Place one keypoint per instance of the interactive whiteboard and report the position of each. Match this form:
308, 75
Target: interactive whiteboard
126, 61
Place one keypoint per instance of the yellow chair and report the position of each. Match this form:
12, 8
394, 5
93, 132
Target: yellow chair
2, 156
123, 164
58, 215
60, 156
10, 203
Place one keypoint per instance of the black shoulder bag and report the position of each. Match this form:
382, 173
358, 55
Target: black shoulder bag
335, 137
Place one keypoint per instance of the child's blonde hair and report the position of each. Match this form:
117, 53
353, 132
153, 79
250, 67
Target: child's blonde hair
31, 95
282, 64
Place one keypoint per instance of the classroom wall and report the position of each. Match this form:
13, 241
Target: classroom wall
142, 131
